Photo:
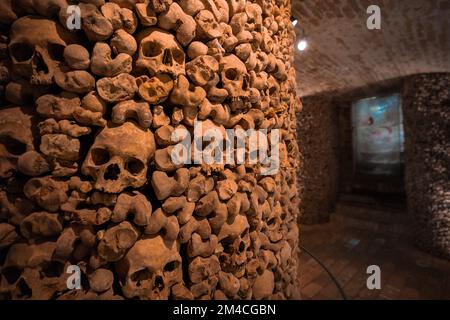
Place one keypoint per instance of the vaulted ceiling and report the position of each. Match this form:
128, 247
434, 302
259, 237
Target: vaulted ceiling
343, 54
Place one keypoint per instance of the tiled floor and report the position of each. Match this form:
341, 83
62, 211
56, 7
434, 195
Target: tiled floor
347, 251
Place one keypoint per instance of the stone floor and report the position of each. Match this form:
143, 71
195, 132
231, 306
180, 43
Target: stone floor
347, 250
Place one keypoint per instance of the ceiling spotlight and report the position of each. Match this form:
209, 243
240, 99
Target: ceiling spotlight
294, 21
302, 45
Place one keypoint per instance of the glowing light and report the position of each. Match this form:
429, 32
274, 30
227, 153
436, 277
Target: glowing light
294, 22
302, 45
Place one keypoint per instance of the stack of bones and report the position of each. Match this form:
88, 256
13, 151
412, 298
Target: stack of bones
86, 173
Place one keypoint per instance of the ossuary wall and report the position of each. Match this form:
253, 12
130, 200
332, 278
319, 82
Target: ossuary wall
426, 111
92, 93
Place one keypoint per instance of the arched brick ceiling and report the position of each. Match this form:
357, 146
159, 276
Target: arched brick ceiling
343, 54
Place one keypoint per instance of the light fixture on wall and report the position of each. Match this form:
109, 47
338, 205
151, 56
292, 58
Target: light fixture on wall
302, 44
294, 21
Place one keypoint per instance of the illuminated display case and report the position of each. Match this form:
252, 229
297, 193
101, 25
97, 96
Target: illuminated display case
378, 138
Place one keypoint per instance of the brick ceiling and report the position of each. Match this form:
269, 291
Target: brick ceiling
343, 54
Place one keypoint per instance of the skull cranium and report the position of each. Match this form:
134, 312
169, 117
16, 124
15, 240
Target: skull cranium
233, 72
235, 240
36, 48
119, 157
150, 269
159, 52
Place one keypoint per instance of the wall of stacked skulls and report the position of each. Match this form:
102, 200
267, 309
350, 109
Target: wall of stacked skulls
318, 134
86, 177
426, 113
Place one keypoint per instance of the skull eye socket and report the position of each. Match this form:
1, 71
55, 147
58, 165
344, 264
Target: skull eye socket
52, 269
231, 74
271, 222
141, 276
100, 156
13, 146
21, 51
178, 56
56, 51
151, 49
171, 266
134, 166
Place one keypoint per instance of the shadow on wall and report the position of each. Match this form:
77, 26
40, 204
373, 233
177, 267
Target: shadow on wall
317, 130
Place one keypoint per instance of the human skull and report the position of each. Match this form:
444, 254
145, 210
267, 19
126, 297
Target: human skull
119, 157
15, 138
235, 240
273, 222
150, 269
159, 52
233, 72
30, 273
36, 48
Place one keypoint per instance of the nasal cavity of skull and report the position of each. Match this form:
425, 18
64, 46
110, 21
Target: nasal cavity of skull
100, 156
171, 55
11, 274
41, 66
245, 84
112, 172
13, 146
167, 57
134, 166
159, 283
141, 276
241, 247
24, 290
22, 51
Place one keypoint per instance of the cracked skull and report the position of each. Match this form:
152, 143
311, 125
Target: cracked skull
119, 157
159, 52
150, 269
37, 47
